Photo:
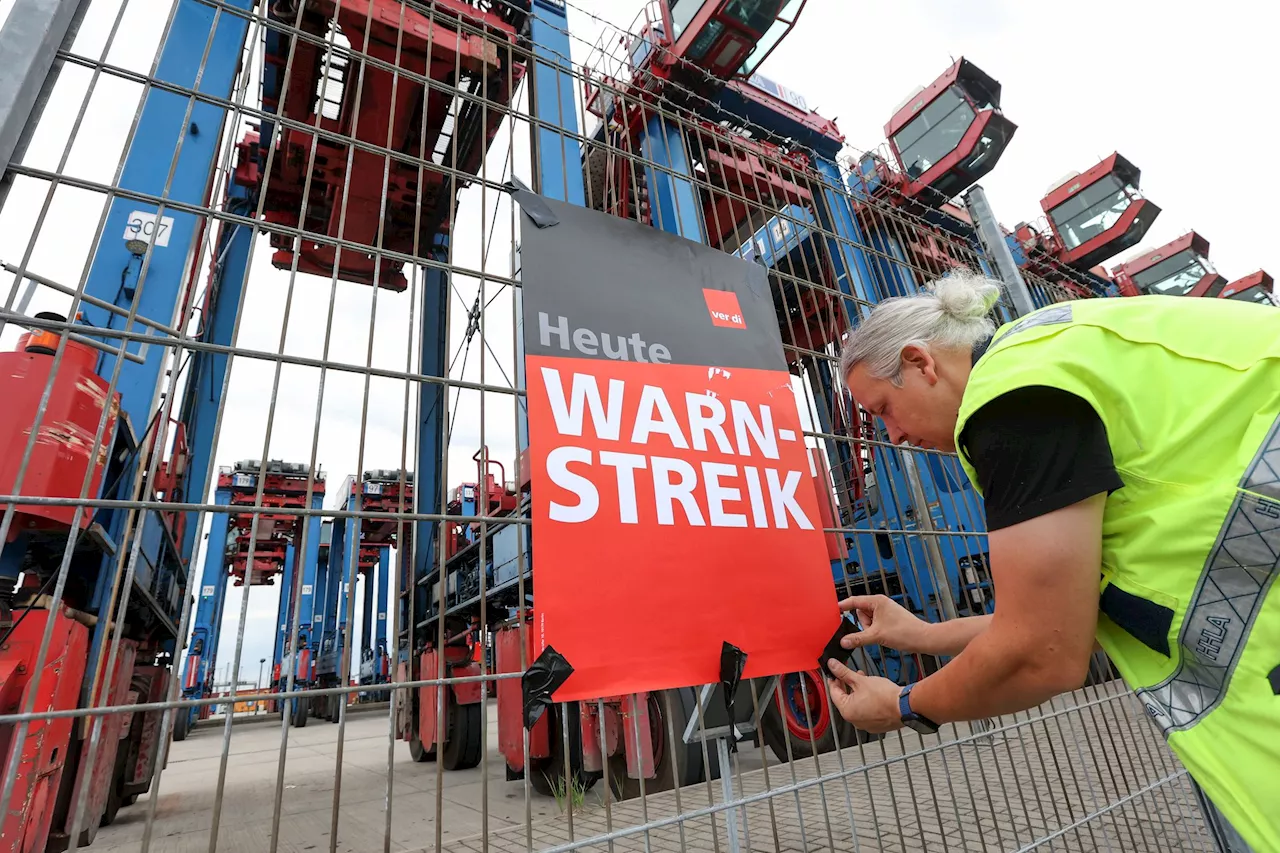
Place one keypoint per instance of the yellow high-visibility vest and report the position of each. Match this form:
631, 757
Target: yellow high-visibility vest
1189, 392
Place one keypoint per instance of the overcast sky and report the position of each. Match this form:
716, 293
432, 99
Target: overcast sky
1180, 93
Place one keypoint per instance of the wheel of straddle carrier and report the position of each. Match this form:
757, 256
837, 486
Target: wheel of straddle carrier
417, 753
463, 738
669, 710
547, 775
300, 713
114, 800
181, 724
335, 707
801, 716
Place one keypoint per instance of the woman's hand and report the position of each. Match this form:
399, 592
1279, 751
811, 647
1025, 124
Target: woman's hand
884, 623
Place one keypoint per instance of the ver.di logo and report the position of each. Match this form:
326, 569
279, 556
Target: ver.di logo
724, 309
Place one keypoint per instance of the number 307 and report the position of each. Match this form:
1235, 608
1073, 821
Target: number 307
145, 225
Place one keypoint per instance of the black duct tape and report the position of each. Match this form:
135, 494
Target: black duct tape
531, 203
543, 677
733, 661
848, 625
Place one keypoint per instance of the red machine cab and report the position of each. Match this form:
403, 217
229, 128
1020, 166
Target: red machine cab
712, 40
1178, 268
947, 136
1098, 214
1257, 287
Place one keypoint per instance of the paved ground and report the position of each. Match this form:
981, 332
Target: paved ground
1087, 774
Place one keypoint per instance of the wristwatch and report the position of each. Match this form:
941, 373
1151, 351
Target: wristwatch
912, 720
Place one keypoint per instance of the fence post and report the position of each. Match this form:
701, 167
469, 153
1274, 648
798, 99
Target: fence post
998, 250
929, 537
29, 42
936, 564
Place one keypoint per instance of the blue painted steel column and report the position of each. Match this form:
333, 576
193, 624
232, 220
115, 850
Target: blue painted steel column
557, 153
307, 603
347, 576
207, 370
674, 199
202, 42
380, 629
334, 594
853, 276
840, 453
431, 422
207, 625
895, 274
320, 606
163, 126
285, 609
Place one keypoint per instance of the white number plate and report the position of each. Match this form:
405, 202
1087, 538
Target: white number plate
143, 225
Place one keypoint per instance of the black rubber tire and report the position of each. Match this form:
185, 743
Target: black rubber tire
112, 807
181, 724
417, 753
462, 746
547, 775
543, 776
114, 800
774, 731
682, 704
300, 707
776, 734
129, 800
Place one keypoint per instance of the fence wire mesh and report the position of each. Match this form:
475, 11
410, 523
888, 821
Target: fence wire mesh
261, 289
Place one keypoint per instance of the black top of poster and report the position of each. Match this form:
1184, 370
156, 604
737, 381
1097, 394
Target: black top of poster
591, 275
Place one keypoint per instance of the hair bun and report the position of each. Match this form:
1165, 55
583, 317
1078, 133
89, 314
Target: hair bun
966, 295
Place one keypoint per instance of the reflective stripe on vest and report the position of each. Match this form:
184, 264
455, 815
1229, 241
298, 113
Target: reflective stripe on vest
1239, 572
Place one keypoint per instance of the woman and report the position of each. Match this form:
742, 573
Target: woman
1128, 451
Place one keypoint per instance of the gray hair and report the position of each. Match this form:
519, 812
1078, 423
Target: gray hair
950, 312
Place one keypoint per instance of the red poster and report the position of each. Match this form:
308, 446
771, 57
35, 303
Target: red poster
674, 505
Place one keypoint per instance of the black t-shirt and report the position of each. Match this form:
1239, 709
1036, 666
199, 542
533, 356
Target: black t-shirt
1036, 450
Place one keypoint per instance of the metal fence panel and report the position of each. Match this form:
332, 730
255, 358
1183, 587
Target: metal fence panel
255, 248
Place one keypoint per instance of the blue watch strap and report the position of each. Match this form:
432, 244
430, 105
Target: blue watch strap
904, 703
910, 718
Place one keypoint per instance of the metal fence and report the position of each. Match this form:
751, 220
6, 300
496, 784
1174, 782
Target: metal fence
283, 231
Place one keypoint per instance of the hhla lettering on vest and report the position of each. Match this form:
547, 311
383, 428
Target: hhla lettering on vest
733, 428
588, 342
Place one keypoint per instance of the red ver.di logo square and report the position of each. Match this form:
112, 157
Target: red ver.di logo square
723, 305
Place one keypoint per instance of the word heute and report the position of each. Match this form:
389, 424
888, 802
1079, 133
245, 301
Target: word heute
770, 493
588, 342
